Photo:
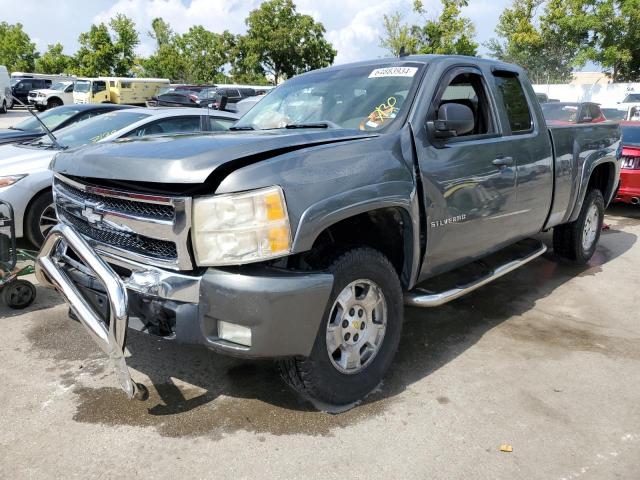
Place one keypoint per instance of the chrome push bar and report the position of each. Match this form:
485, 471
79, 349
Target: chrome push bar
111, 337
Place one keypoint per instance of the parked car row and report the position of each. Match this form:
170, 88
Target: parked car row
25, 180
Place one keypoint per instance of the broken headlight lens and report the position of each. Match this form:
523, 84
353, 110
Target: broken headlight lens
241, 227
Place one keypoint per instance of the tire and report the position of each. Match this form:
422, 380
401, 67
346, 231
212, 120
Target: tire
577, 241
18, 294
3, 109
11, 105
362, 273
40, 210
54, 102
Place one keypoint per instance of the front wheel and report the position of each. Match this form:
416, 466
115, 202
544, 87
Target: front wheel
359, 333
40, 218
577, 241
3, 109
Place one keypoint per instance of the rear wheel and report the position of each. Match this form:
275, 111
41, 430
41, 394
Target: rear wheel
359, 333
577, 241
3, 109
41, 217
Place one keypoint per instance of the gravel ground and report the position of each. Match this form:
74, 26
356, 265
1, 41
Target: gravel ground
545, 360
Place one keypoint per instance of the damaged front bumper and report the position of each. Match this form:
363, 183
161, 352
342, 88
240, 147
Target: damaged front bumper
110, 294
110, 335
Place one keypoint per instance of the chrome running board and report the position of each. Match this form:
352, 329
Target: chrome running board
423, 298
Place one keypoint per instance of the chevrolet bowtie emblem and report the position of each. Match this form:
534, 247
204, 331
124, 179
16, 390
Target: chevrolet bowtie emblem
91, 216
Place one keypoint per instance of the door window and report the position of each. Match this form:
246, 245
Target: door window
220, 124
185, 124
468, 88
515, 102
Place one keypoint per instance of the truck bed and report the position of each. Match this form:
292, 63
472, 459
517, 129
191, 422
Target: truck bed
575, 146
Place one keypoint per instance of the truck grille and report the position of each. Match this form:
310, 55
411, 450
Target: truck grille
131, 242
146, 228
149, 210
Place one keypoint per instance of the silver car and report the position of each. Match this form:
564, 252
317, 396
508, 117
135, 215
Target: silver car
25, 179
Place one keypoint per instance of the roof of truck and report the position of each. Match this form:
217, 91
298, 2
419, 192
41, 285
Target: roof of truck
424, 59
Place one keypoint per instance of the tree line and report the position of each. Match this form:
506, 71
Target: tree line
279, 43
549, 38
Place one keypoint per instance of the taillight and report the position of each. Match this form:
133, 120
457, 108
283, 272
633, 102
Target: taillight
631, 163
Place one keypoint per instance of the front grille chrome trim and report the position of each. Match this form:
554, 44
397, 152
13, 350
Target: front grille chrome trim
154, 219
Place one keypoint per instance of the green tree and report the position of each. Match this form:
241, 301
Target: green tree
547, 50
96, 55
17, 52
448, 34
283, 42
613, 36
167, 61
205, 54
161, 32
125, 40
54, 60
397, 35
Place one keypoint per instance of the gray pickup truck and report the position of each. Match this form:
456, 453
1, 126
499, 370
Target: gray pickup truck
342, 196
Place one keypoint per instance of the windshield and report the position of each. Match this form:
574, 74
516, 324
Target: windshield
632, 97
82, 86
631, 135
364, 97
614, 114
94, 129
14, 81
59, 86
560, 112
51, 118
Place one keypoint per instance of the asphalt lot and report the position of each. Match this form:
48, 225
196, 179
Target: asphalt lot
12, 117
546, 360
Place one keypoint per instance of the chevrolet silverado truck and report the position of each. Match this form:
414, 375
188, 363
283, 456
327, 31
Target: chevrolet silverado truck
345, 194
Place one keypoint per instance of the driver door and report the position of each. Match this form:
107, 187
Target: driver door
469, 181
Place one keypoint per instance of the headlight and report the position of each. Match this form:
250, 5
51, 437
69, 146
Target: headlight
7, 180
241, 227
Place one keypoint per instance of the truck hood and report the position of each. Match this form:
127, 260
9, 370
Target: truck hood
189, 159
47, 91
18, 160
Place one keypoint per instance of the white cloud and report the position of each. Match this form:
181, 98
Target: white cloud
353, 26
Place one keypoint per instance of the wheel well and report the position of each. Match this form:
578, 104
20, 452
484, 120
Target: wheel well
387, 230
53, 98
602, 179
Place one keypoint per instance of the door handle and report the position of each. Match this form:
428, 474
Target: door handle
503, 161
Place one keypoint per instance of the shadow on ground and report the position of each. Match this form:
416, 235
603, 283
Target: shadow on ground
196, 392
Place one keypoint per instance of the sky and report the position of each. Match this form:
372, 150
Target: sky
354, 27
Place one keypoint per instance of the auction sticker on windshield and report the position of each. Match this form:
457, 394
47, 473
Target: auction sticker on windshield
393, 72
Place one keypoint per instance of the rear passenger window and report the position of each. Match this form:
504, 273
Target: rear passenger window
515, 103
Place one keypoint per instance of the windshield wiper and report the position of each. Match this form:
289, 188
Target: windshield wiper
241, 127
308, 125
54, 140
18, 129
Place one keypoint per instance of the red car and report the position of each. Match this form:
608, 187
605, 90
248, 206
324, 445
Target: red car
629, 189
570, 113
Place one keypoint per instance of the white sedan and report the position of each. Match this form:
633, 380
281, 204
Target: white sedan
25, 179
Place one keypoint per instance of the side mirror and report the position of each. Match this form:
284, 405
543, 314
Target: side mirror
454, 120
